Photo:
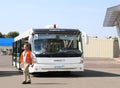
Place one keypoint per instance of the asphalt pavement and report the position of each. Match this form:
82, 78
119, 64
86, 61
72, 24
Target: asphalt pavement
98, 70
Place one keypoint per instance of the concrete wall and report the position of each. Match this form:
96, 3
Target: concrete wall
107, 48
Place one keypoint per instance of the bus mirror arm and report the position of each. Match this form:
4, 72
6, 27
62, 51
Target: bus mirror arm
85, 37
30, 38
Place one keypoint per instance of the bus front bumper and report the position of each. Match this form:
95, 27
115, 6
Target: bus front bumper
56, 67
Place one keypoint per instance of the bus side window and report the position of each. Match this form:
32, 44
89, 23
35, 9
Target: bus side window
29, 46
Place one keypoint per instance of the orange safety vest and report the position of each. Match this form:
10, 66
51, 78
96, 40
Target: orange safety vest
28, 57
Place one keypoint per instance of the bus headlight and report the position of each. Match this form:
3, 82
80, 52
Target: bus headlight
81, 60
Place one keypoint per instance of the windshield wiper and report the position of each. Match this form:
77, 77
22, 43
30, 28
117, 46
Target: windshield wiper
71, 52
63, 53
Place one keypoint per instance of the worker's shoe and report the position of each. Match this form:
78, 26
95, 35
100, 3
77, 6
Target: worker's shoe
29, 82
24, 82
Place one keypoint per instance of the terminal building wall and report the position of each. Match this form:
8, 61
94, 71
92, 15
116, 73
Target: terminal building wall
101, 48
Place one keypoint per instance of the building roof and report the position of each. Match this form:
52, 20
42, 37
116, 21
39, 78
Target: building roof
111, 15
6, 41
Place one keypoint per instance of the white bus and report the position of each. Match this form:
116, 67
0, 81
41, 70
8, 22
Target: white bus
55, 49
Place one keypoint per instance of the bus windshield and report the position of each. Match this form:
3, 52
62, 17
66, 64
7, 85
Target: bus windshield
57, 45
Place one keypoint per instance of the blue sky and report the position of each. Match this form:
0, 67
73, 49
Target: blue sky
86, 15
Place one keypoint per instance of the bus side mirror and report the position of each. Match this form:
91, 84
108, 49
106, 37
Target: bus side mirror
85, 37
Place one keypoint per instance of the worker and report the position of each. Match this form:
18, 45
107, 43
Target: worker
26, 59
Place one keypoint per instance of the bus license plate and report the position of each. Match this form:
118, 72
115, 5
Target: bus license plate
59, 66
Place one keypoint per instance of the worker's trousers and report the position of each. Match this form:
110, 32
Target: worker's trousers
26, 75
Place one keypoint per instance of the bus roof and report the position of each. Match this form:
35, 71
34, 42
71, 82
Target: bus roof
56, 31
47, 31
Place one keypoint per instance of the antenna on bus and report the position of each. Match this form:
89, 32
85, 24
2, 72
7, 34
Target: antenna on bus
51, 26
54, 26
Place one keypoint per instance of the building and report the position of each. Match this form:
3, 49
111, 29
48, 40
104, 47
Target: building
6, 45
101, 48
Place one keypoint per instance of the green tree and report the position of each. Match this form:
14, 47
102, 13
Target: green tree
1, 35
12, 34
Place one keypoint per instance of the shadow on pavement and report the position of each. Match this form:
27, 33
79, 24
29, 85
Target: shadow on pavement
86, 73
49, 83
9, 73
93, 73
